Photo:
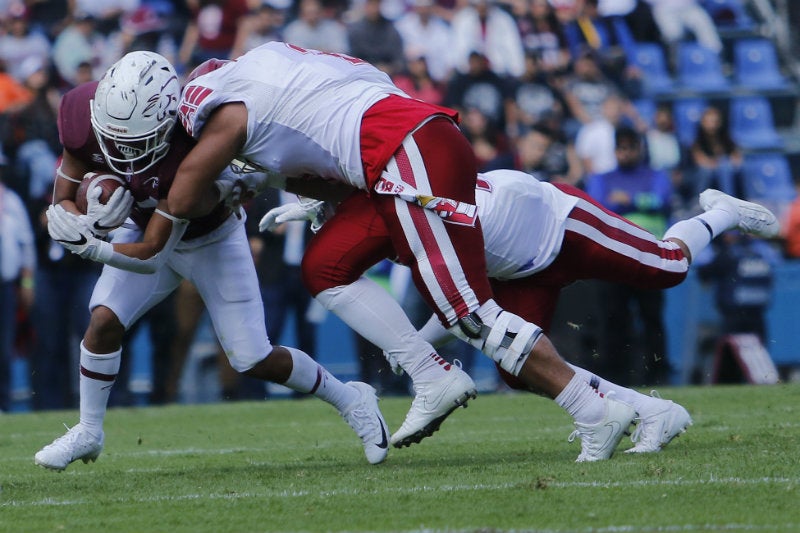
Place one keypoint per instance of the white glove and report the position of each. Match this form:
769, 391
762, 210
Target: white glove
285, 213
72, 233
105, 217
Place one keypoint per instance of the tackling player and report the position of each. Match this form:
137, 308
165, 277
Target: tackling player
298, 112
540, 237
124, 124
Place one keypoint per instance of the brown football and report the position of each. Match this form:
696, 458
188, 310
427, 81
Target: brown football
108, 182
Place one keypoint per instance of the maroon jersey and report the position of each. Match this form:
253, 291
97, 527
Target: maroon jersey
148, 187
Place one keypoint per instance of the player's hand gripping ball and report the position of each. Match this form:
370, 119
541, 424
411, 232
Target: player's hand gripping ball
105, 199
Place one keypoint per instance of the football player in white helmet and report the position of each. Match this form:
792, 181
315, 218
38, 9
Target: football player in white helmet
134, 111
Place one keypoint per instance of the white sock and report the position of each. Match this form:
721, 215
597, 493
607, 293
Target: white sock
373, 313
581, 401
697, 232
98, 373
310, 377
641, 402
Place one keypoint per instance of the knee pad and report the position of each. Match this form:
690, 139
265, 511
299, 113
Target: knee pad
508, 339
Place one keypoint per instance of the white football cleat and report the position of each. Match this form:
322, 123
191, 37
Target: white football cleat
598, 441
75, 444
433, 402
753, 218
366, 419
656, 430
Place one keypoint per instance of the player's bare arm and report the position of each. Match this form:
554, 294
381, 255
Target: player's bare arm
155, 236
193, 193
68, 177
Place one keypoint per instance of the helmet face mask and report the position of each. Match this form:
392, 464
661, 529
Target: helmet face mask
134, 111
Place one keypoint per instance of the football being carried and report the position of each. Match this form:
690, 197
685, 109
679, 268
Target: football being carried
105, 199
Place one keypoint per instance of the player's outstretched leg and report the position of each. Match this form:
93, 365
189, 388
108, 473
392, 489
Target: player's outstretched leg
598, 441
77, 443
366, 419
434, 401
753, 218
658, 425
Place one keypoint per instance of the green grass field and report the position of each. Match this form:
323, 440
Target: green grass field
503, 464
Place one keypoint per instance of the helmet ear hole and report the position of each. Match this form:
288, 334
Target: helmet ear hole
134, 110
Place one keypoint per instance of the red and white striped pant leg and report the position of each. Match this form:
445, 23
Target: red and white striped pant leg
447, 260
599, 244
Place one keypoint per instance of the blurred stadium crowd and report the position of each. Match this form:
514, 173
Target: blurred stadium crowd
541, 85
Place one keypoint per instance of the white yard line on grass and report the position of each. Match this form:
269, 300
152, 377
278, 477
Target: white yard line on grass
411, 490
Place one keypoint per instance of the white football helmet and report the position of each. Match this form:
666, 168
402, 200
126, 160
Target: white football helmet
134, 110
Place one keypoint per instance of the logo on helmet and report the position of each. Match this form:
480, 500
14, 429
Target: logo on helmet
162, 105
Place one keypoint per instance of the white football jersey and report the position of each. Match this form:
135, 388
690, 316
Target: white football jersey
304, 108
523, 221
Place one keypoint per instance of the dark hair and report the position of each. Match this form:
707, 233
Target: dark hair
626, 133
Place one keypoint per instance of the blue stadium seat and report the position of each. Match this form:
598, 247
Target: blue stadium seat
729, 14
752, 125
700, 68
687, 113
768, 178
756, 65
650, 59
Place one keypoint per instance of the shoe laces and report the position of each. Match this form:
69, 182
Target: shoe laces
640, 433
361, 420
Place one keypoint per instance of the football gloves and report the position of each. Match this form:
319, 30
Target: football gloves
106, 217
74, 234
316, 211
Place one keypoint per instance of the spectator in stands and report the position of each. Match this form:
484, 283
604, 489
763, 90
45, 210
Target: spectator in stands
609, 40
638, 16
48, 17
491, 146
584, 91
145, 29
17, 267
663, 148
483, 26
212, 31
533, 98
13, 95
542, 34
423, 32
263, 26
541, 153
416, 79
312, 29
32, 135
374, 39
594, 143
676, 18
716, 158
480, 88
20, 42
642, 195
106, 13
79, 43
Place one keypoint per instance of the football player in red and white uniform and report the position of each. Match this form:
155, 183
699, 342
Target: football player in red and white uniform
540, 237
297, 112
124, 124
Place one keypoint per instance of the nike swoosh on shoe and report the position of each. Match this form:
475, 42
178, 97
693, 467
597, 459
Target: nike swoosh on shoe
384, 443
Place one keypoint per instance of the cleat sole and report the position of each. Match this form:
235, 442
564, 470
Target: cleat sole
433, 425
